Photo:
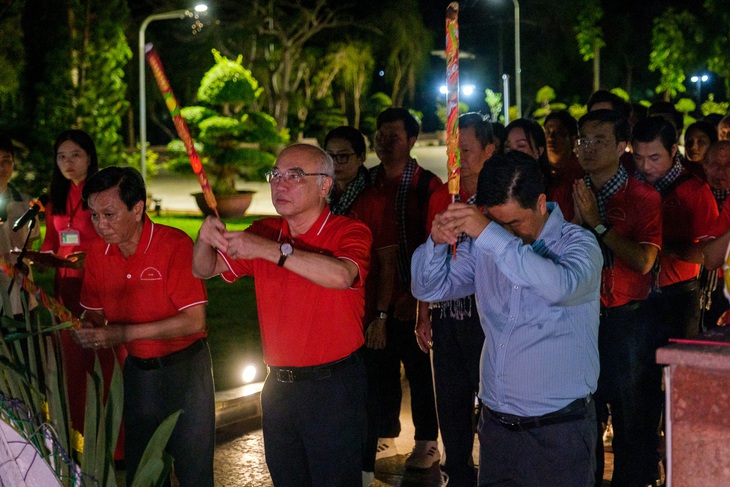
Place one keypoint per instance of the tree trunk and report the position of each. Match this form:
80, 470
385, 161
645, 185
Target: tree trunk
596, 67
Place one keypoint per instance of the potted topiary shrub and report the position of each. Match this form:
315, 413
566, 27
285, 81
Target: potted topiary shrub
234, 138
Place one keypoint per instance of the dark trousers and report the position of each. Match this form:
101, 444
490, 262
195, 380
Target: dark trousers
626, 344
402, 347
314, 429
676, 313
559, 455
150, 396
457, 348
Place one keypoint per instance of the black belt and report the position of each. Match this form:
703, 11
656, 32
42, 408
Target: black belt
574, 411
629, 307
315, 372
680, 287
170, 359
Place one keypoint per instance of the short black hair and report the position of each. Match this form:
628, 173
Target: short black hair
566, 120
667, 110
6, 144
350, 134
513, 175
652, 128
482, 127
604, 96
127, 179
621, 129
394, 114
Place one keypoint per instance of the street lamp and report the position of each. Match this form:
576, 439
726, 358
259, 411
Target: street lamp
518, 67
699, 80
176, 14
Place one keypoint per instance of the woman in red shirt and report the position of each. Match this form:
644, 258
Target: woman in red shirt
69, 233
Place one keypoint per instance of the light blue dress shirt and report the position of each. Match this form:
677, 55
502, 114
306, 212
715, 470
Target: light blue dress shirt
539, 308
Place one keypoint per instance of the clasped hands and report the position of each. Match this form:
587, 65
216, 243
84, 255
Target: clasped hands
585, 205
456, 219
96, 332
237, 245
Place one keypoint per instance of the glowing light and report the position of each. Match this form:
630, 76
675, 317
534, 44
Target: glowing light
201, 7
468, 90
249, 374
443, 90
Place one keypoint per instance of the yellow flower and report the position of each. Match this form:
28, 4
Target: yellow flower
77, 441
45, 410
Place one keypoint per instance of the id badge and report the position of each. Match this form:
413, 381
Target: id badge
70, 237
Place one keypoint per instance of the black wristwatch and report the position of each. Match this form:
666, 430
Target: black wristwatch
286, 250
601, 230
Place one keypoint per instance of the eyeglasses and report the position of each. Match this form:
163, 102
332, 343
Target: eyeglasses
342, 157
290, 176
585, 144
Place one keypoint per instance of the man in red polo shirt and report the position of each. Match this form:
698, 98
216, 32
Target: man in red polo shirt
395, 207
139, 283
309, 267
688, 212
625, 216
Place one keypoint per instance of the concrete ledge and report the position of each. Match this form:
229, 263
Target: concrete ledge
238, 405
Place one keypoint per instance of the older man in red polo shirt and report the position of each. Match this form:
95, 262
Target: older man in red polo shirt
139, 283
309, 267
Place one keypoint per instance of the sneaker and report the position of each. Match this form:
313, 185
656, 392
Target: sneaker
386, 448
424, 455
368, 478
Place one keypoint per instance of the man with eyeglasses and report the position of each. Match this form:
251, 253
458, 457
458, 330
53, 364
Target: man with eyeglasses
625, 216
309, 267
395, 207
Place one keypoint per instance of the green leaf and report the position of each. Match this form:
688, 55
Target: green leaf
152, 465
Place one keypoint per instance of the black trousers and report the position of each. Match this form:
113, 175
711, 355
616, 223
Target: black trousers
457, 349
150, 396
626, 344
402, 347
314, 430
557, 455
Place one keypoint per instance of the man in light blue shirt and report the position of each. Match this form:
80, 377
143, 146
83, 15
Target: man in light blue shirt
536, 279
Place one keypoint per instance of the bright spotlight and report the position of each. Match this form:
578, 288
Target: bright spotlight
468, 90
201, 7
694, 79
249, 374
443, 90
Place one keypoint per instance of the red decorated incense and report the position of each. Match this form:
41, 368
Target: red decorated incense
182, 128
453, 164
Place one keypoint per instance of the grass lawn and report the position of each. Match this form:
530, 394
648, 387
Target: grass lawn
233, 329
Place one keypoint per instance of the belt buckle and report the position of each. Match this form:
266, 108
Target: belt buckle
285, 375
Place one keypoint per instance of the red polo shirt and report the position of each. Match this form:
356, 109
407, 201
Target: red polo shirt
156, 282
559, 186
688, 213
376, 207
722, 223
302, 323
635, 212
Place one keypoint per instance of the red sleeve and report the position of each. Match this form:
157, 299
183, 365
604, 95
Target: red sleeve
184, 289
354, 245
648, 212
722, 222
438, 202
704, 211
51, 243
